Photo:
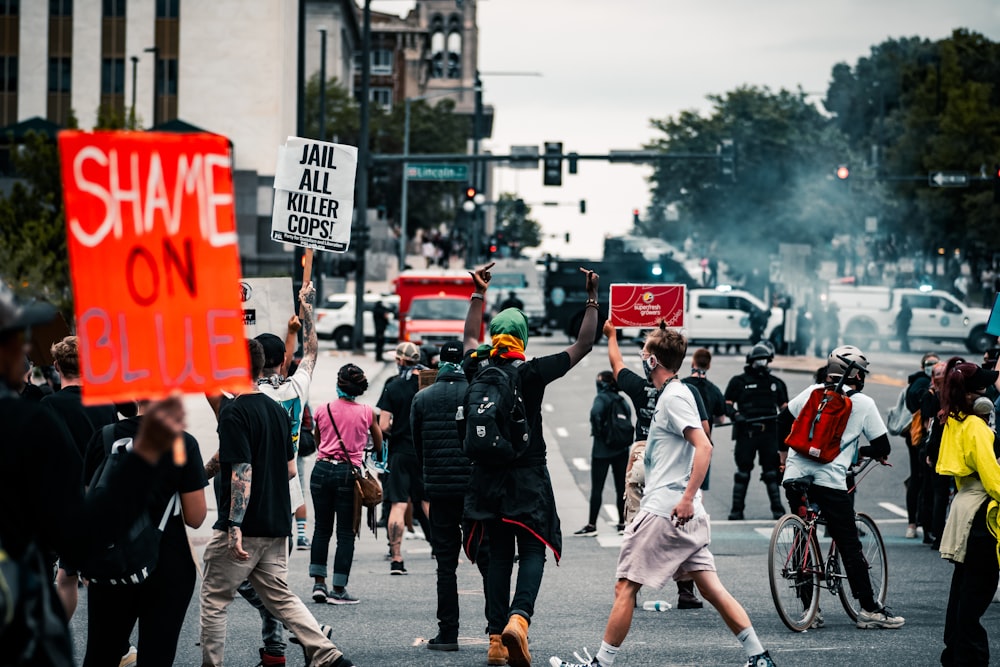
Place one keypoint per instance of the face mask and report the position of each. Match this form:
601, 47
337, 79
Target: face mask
982, 407
759, 363
929, 370
648, 364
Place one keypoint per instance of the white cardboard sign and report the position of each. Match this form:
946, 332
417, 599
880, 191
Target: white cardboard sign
314, 194
268, 303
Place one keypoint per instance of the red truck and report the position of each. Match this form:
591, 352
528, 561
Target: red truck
433, 305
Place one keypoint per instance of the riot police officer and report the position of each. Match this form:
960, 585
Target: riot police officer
753, 400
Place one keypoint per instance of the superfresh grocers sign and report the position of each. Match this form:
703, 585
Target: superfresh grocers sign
646, 305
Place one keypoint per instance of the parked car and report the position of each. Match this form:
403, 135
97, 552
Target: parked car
335, 320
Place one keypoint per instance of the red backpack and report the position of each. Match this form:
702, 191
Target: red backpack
817, 431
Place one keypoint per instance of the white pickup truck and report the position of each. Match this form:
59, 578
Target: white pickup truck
868, 314
721, 316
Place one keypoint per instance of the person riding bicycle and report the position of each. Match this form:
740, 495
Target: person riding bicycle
828, 481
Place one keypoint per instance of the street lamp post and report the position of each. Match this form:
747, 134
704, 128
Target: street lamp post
322, 83
135, 63
361, 201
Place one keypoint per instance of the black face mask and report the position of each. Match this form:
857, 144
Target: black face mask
603, 386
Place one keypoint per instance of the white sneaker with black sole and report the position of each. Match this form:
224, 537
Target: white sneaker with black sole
879, 619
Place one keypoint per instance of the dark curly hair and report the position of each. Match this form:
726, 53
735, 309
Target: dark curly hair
351, 380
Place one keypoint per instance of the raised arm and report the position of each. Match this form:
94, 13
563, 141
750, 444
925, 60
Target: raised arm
614, 352
588, 328
310, 343
474, 318
291, 342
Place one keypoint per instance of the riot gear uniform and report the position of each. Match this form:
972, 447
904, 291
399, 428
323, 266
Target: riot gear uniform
753, 400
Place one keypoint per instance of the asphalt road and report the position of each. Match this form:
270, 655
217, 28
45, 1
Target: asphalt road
397, 614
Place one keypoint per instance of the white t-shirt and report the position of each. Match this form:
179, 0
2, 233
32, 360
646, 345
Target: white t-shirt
669, 457
291, 394
864, 420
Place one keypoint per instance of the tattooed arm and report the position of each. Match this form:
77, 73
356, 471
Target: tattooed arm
310, 343
213, 465
238, 500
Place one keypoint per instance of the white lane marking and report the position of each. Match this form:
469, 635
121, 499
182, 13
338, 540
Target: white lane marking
612, 512
581, 464
895, 509
561, 432
548, 407
764, 532
610, 541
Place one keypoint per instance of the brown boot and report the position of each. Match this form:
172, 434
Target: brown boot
497, 654
515, 638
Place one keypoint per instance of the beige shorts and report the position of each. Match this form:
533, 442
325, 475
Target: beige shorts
654, 550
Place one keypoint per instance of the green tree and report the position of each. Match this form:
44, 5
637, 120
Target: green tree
784, 190
515, 226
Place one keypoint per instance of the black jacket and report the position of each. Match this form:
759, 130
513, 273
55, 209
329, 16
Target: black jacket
435, 436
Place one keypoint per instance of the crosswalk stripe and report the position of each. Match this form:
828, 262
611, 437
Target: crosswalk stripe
612, 512
895, 509
561, 432
581, 464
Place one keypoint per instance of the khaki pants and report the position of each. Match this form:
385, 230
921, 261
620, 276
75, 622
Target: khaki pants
635, 479
267, 570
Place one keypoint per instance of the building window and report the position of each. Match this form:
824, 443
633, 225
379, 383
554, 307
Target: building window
8, 74
168, 9
166, 76
381, 97
59, 75
61, 7
10, 7
114, 9
113, 76
381, 61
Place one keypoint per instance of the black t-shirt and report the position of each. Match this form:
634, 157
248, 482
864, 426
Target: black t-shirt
643, 395
254, 429
397, 398
169, 479
535, 375
82, 421
711, 395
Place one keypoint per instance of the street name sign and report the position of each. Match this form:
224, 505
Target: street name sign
437, 172
948, 179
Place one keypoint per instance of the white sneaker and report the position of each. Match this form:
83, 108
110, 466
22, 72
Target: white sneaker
587, 661
880, 618
911, 532
130, 657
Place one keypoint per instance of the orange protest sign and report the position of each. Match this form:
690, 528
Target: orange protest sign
151, 232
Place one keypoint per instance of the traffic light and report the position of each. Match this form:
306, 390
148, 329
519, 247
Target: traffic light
492, 247
635, 216
571, 160
727, 161
469, 205
843, 172
552, 164
583, 206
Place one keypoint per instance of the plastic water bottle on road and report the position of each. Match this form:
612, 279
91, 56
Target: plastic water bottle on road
656, 605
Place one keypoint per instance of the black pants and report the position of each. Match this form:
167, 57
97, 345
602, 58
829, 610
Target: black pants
530, 565
446, 545
838, 510
158, 604
763, 444
598, 475
332, 489
972, 586
915, 486
941, 484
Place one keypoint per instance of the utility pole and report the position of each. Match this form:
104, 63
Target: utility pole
361, 202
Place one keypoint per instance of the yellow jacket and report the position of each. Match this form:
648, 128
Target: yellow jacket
967, 455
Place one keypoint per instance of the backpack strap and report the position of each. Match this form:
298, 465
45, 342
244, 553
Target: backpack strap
108, 437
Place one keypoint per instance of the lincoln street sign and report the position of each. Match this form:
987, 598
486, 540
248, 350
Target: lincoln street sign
437, 172
948, 179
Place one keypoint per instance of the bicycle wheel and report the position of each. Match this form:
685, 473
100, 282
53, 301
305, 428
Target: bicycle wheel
793, 568
873, 550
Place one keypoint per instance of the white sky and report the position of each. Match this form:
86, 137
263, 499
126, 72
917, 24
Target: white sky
608, 66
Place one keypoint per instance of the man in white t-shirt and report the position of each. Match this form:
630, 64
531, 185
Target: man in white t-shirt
828, 481
669, 536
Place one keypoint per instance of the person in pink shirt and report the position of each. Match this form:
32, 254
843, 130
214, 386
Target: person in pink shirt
343, 427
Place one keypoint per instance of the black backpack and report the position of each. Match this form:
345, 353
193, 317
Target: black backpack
132, 556
618, 431
495, 428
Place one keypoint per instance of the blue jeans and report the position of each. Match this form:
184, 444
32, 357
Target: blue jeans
332, 488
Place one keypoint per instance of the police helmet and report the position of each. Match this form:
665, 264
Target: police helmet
760, 351
844, 357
